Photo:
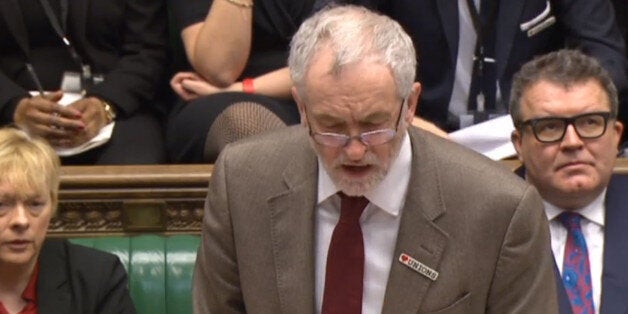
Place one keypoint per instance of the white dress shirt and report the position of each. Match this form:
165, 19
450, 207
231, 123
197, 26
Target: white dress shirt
467, 38
464, 62
379, 222
592, 226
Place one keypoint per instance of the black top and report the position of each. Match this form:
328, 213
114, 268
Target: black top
76, 279
274, 23
50, 58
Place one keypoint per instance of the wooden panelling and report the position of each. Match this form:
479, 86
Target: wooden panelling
128, 199
168, 199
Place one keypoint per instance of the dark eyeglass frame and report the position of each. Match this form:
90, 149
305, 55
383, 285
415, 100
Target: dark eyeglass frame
567, 121
344, 140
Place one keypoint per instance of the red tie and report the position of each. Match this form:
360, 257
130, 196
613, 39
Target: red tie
344, 275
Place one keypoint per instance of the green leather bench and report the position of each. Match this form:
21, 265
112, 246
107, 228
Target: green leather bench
159, 267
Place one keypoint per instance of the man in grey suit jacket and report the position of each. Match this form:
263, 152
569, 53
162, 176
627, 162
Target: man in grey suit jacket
445, 230
564, 106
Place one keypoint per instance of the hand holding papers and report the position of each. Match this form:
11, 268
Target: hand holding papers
101, 138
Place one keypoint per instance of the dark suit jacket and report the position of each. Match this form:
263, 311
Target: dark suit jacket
74, 279
614, 270
621, 13
465, 216
126, 41
433, 25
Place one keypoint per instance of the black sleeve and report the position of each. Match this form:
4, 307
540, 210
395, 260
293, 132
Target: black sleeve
187, 12
8, 110
114, 290
103, 291
10, 95
141, 64
77, 279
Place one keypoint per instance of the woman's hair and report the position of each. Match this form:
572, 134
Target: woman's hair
28, 163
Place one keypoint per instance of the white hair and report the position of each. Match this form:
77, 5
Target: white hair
354, 33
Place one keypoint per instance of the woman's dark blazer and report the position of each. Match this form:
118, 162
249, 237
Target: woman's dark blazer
76, 279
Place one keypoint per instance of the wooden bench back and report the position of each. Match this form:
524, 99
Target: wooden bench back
126, 200
122, 200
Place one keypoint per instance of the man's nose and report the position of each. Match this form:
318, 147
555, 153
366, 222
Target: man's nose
571, 139
355, 149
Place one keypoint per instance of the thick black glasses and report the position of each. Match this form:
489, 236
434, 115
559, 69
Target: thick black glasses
552, 129
371, 138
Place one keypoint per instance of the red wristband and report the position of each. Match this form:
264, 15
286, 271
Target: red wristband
247, 86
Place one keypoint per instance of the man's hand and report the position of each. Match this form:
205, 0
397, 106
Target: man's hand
44, 117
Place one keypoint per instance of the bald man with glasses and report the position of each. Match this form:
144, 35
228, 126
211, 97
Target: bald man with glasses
564, 108
357, 212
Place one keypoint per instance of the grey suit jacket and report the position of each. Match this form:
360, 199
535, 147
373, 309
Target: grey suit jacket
482, 228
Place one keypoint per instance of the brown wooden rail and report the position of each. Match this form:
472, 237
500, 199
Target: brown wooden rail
107, 200
128, 199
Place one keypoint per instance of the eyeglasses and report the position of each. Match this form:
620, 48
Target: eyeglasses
370, 138
552, 129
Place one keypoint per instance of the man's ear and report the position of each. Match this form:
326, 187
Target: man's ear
300, 105
619, 130
515, 138
413, 101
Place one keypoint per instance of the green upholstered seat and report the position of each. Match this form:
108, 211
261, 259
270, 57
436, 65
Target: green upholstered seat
159, 267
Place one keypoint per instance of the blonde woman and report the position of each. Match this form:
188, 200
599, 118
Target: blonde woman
39, 275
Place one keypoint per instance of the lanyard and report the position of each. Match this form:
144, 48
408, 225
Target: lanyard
60, 30
484, 31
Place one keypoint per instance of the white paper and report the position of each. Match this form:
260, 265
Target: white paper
490, 138
101, 138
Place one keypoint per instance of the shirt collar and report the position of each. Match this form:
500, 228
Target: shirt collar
390, 194
594, 211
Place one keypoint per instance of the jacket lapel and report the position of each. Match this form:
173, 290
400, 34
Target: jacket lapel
53, 290
506, 32
419, 237
448, 11
292, 222
12, 14
615, 272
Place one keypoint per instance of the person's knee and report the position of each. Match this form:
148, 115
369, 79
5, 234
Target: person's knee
240, 120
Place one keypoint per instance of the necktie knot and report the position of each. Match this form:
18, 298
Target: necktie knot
571, 221
351, 208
